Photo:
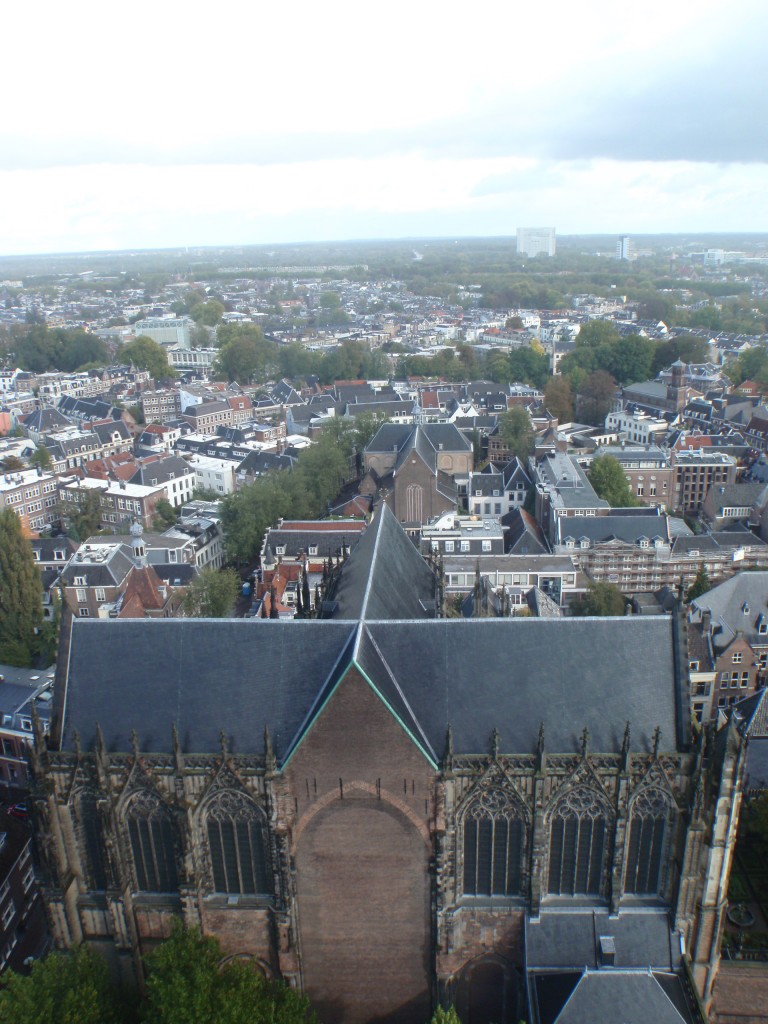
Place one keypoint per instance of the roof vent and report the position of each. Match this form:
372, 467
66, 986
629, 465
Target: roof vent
607, 950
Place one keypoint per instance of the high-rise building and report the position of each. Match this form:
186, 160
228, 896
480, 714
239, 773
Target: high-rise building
536, 241
625, 249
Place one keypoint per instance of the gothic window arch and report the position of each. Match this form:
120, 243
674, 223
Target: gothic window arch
91, 840
650, 831
577, 844
494, 835
237, 840
152, 834
414, 503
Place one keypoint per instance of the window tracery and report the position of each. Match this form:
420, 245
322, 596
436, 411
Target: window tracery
494, 840
577, 845
237, 840
152, 836
649, 833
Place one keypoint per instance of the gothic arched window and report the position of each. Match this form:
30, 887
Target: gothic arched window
237, 838
577, 844
494, 841
649, 828
91, 841
152, 833
414, 503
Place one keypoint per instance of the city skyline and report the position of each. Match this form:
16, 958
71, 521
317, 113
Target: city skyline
254, 127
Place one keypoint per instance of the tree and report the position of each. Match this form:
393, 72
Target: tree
212, 595
41, 457
244, 352
516, 430
595, 397
700, 585
188, 983
64, 988
441, 1016
609, 481
208, 313
12, 464
165, 513
85, 519
146, 354
558, 398
600, 599
20, 594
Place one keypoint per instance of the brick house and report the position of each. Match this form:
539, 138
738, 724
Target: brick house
31, 493
23, 932
732, 621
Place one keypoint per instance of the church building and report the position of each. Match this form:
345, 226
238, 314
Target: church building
390, 809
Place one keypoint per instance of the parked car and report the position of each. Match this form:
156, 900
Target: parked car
19, 811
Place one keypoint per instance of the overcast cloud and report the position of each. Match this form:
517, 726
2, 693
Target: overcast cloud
184, 124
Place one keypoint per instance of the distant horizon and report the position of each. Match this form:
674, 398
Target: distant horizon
690, 236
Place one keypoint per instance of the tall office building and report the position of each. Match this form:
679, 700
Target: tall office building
536, 241
625, 249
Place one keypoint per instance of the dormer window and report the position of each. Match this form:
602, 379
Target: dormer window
79, 581
313, 549
644, 543
583, 543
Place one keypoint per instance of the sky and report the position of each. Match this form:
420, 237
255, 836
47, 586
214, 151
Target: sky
163, 124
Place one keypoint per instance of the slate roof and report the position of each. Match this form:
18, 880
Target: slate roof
739, 603
568, 938
523, 535
242, 675
46, 419
104, 431
620, 997
601, 529
202, 674
476, 676
404, 585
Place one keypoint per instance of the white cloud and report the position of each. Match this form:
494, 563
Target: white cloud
163, 124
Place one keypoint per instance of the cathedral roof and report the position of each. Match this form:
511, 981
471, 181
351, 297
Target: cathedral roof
477, 676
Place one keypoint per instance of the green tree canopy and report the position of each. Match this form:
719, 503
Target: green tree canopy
20, 593
558, 398
303, 493
41, 457
700, 585
516, 430
449, 1016
212, 595
188, 984
146, 354
595, 396
165, 513
609, 481
85, 518
245, 353
600, 599
207, 313
64, 988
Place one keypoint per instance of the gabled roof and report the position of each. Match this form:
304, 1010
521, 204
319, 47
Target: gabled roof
385, 577
205, 674
623, 997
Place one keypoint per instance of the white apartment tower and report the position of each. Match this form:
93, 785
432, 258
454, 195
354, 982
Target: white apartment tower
625, 249
536, 241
